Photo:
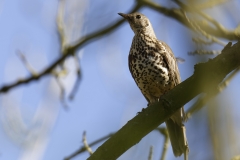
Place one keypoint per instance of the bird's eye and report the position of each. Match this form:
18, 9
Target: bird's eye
138, 16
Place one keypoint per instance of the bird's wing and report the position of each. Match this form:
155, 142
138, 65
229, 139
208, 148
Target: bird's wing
129, 61
171, 62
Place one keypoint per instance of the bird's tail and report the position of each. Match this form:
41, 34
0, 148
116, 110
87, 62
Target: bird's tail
177, 134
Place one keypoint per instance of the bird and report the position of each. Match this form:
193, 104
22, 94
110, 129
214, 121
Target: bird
154, 68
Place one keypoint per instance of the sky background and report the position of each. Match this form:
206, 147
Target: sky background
36, 125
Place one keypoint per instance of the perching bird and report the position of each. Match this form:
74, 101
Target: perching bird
155, 71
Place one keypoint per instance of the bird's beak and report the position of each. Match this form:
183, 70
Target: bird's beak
125, 16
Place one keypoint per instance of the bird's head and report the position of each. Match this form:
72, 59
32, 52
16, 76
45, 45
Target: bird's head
139, 23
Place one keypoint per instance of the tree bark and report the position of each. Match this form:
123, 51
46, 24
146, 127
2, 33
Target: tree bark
205, 79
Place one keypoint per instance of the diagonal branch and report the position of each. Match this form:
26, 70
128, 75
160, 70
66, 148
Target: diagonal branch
83, 148
197, 28
205, 79
25, 62
178, 15
205, 98
67, 52
84, 140
209, 4
195, 10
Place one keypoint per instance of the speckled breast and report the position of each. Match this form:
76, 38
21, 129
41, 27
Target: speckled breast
148, 67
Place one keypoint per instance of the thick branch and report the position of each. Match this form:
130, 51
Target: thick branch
205, 98
173, 13
206, 78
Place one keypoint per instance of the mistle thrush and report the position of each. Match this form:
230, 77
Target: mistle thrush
155, 71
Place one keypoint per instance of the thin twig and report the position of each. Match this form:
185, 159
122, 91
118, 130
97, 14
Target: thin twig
197, 28
25, 62
205, 78
228, 79
84, 140
79, 77
83, 149
150, 155
67, 52
199, 104
195, 10
201, 41
186, 154
60, 23
62, 92
173, 13
164, 132
180, 60
209, 4
178, 15
61, 32
203, 99
204, 52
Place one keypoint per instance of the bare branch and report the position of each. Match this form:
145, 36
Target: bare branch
60, 23
201, 41
224, 84
84, 140
204, 52
70, 50
79, 77
205, 98
177, 14
164, 132
62, 92
67, 52
208, 18
209, 4
83, 148
197, 28
150, 156
206, 78
25, 62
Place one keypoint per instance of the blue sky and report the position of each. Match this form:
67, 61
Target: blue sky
34, 122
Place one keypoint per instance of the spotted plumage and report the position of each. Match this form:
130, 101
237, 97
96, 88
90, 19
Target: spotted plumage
155, 71
149, 67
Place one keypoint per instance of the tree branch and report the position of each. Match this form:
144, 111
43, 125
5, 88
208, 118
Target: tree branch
83, 148
205, 79
205, 98
178, 15
164, 132
150, 155
67, 52
84, 140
